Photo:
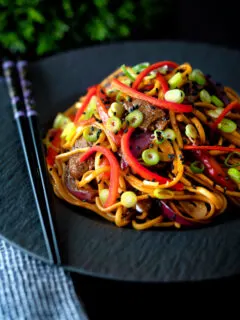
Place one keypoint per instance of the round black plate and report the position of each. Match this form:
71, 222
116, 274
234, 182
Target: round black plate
90, 245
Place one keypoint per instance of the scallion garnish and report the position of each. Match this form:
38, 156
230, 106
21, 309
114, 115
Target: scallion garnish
226, 161
197, 167
227, 125
234, 174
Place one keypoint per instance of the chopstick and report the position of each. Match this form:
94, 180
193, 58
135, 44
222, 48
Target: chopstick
25, 115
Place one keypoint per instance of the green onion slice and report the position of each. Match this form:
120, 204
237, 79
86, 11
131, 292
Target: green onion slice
114, 124
91, 134
128, 73
169, 134
103, 195
91, 108
60, 121
190, 131
218, 103
128, 199
151, 157
234, 174
198, 76
226, 161
158, 136
205, 96
134, 118
215, 113
140, 67
116, 109
175, 81
227, 125
175, 95
197, 167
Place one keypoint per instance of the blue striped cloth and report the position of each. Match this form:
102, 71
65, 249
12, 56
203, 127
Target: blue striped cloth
33, 290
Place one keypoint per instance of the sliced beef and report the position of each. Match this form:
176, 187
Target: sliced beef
81, 143
84, 194
152, 115
77, 168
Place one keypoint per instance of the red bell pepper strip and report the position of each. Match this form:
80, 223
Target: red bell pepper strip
232, 105
137, 167
104, 175
219, 148
71, 117
103, 113
114, 173
91, 92
52, 149
214, 169
152, 67
163, 83
177, 107
86, 122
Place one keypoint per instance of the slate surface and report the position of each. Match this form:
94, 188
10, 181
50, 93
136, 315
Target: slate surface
90, 245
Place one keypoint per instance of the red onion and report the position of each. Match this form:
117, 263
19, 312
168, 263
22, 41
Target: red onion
219, 90
171, 215
123, 163
88, 194
140, 142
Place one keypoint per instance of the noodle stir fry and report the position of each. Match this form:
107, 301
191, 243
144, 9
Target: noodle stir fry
152, 145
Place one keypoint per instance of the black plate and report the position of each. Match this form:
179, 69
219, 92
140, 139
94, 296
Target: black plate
90, 245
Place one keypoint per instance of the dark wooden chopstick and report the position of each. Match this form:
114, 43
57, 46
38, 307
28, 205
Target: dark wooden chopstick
25, 115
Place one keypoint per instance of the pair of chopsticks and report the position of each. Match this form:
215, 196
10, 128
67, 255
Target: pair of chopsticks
26, 117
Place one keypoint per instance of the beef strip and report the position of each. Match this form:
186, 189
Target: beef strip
85, 194
152, 115
77, 168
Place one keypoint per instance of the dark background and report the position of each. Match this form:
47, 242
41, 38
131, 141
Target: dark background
39, 28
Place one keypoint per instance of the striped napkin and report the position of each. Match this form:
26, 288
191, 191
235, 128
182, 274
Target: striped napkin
33, 290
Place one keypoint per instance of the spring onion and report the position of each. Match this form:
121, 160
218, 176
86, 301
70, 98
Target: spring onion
175, 81
175, 95
128, 73
140, 67
91, 108
197, 76
197, 167
91, 134
151, 157
60, 121
116, 109
114, 124
218, 103
134, 118
234, 174
163, 194
190, 131
103, 195
227, 125
226, 161
127, 82
169, 134
119, 97
215, 113
128, 199
205, 96
158, 137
